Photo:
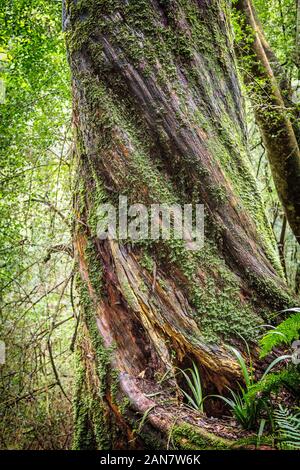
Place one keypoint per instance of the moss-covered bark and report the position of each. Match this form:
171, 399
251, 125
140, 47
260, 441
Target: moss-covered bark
158, 116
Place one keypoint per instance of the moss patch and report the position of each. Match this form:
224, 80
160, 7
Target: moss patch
187, 437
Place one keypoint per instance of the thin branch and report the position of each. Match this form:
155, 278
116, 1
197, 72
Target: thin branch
53, 208
60, 248
56, 375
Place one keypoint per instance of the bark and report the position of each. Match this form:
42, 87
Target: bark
158, 117
276, 114
281, 245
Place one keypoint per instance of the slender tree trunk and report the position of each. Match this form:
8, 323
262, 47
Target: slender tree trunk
275, 112
159, 117
281, 245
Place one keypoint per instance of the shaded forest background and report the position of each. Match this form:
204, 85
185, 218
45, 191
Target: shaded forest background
39, 306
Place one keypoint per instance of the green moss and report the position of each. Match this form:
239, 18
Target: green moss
114, 384
147, 261
123, 405
271, 292
155, 47
90, 424
102, 354
218, 307
187, 437
219, 193
96, 196
82, 435
152, 441
95, 268
90, 420
101, 426
229, 148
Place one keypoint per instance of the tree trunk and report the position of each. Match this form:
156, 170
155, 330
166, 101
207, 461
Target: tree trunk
158, 117
276, 114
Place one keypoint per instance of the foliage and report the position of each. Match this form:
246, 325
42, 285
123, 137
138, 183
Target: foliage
244, 409
195, 399
248, 377
288, 426
248, 404
288, 378
283, 334
278, 20
33, 70
36, 273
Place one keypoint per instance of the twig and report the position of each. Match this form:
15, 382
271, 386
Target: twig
55, 371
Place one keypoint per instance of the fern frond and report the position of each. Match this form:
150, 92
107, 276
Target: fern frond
288, 426
284, 333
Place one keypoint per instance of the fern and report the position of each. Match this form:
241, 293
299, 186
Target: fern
288, 425
288, 378
284, 333
245, 410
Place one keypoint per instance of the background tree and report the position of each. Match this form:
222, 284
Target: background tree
279, 20
276, 113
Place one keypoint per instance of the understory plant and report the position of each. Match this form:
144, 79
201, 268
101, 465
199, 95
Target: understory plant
288, 428
243, 407
251, 404
193, 381
283, 334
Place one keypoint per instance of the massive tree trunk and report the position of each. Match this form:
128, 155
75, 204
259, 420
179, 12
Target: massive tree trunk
158, 117
276, 114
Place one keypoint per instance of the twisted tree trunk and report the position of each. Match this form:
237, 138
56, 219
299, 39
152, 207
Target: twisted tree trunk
159, 117
276, 114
